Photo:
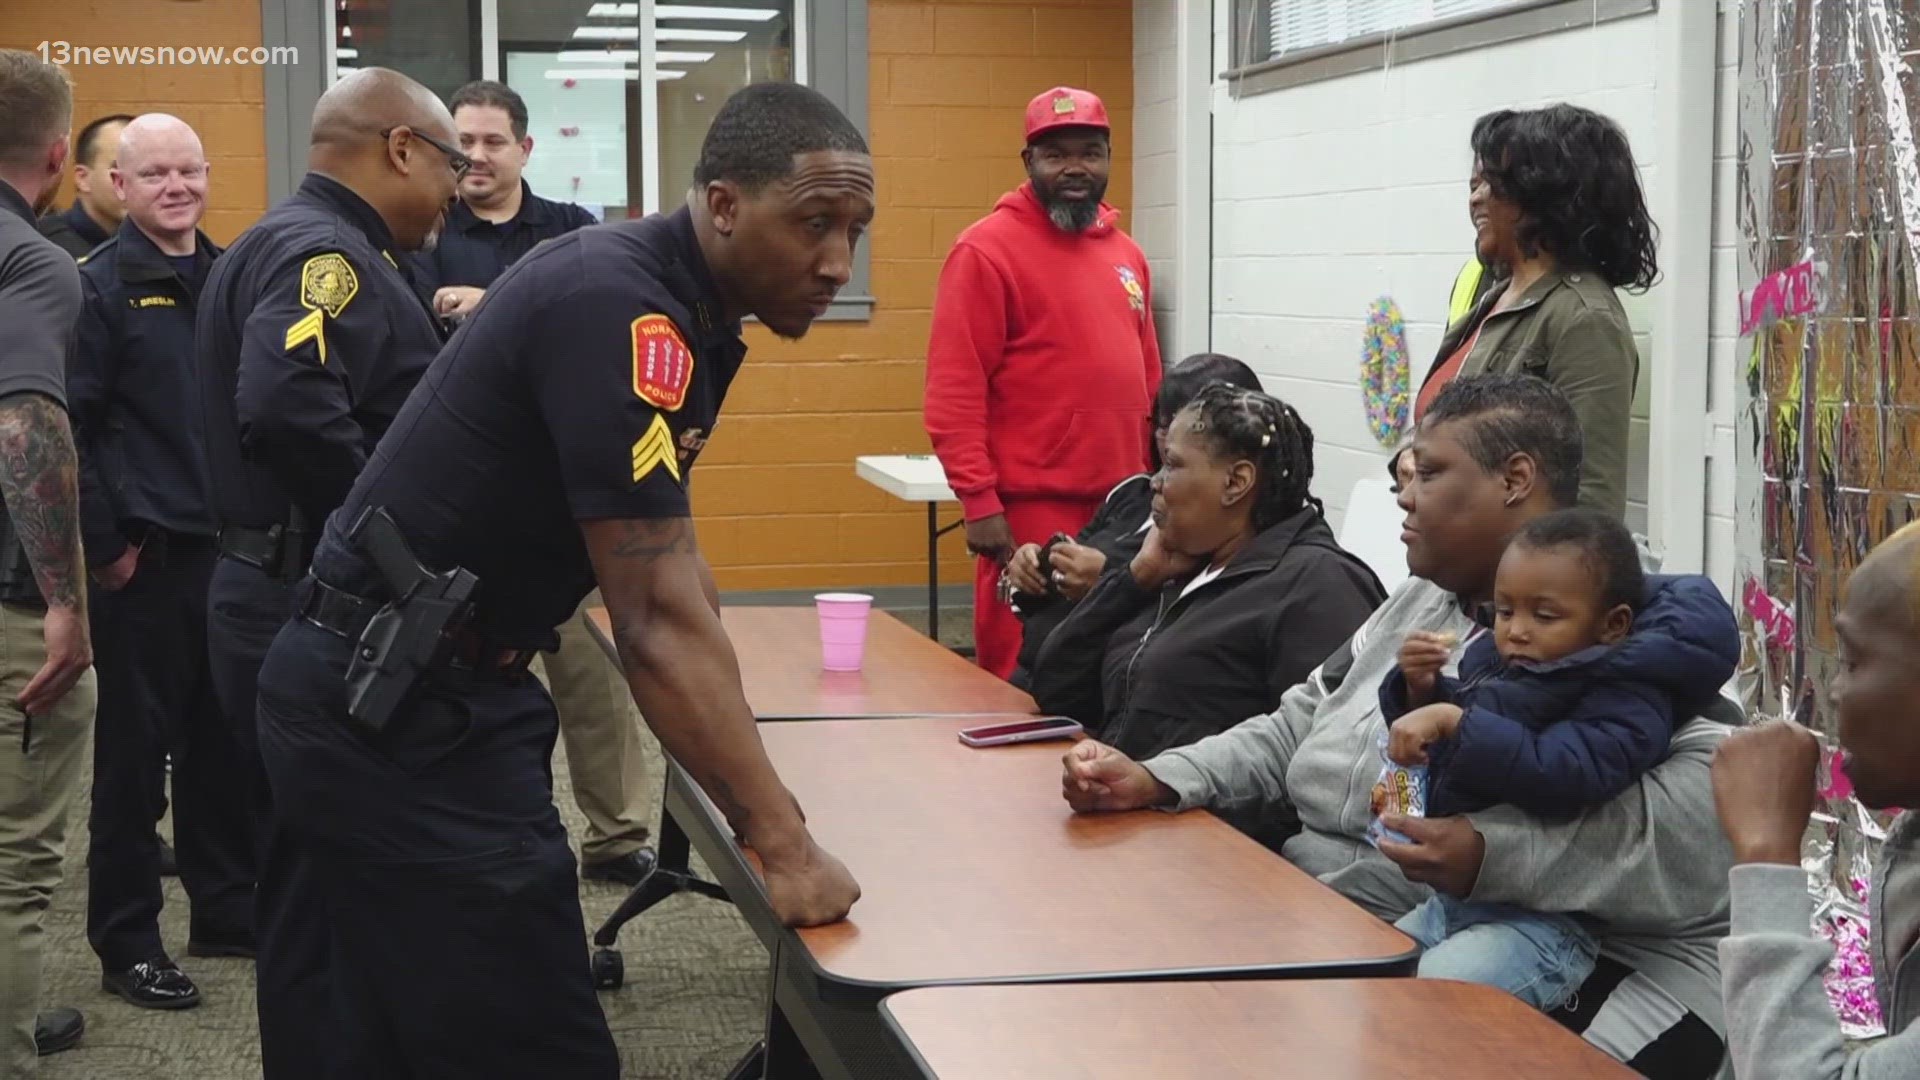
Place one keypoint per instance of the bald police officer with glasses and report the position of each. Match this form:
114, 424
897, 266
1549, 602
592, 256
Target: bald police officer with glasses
310, 337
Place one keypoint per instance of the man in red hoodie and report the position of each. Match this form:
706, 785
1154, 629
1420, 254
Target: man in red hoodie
1043, 364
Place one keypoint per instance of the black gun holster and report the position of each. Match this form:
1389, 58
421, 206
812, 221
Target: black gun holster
407, 635
278, 551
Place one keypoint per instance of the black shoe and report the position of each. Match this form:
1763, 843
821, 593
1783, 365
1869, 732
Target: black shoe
152, 984
244, 946
57, 1029
629, 869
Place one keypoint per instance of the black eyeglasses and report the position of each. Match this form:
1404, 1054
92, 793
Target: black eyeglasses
457, 161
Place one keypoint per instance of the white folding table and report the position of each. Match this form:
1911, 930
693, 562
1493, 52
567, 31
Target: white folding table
916, 478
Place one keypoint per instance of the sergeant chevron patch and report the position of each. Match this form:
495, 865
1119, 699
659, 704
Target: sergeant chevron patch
655, 450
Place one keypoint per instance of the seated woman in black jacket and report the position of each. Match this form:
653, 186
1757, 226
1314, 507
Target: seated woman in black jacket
1047, 580
1238, 591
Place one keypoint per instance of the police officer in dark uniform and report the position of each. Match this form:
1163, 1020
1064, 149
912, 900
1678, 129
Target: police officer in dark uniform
310, 337
96, 211
496, 222
95, 217
148, 531
549, 446
498, 218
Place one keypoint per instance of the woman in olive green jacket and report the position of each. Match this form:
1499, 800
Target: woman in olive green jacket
1560, 219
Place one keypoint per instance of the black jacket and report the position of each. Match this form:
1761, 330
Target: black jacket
1116, 532
474, 251
310, 336
130, 390
73, 230
1146, 672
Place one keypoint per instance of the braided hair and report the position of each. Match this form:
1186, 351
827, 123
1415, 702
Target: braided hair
1269, 433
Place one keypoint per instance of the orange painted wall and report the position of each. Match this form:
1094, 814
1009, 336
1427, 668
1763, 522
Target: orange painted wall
778, 502
225, 104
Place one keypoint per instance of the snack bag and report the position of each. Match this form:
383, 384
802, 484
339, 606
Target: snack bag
1401, 789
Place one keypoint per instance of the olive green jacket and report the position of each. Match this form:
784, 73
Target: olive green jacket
1570, 330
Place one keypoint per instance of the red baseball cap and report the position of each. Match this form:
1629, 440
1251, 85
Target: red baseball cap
1063, 106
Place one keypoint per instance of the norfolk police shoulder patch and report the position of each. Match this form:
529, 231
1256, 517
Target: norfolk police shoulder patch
662, 363
328, 283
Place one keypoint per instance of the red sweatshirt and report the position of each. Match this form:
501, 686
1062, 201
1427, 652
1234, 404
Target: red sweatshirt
1043, 364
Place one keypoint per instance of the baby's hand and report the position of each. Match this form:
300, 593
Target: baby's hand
1422, 656
1408, 739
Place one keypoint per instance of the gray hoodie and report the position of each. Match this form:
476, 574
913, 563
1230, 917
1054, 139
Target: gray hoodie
1779, 1022
1650, 866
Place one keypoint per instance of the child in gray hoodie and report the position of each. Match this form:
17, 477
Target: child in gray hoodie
1779, 1021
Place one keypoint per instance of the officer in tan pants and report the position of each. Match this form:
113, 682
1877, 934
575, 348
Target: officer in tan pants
602, 735
46, 648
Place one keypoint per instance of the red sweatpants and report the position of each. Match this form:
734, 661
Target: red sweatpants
996, 629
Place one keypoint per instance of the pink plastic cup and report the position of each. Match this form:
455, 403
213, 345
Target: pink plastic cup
843, 629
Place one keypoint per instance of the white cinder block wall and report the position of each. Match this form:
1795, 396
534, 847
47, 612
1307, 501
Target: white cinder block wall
1333, 193
1155, 101
1726, 353
1328, 195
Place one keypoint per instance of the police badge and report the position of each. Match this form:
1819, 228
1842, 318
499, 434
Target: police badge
328, 283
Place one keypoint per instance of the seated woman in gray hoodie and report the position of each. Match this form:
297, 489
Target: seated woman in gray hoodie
1780, 1025
1493, 452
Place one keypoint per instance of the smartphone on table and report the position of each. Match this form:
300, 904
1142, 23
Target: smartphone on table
1038, 729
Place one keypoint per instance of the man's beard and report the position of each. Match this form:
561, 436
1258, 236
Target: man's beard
1072, 215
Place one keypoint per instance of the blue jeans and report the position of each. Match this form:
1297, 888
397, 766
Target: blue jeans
1539, 958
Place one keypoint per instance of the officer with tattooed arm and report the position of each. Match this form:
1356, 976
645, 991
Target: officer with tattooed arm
548, 446
46, 687
310, 336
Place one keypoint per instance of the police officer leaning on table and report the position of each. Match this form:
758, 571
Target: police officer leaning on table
549, 446
497, 220
150, 545
310, 337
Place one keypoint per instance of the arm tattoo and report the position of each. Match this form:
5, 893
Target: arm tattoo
39, 483
650, 540
627, 642
729, 804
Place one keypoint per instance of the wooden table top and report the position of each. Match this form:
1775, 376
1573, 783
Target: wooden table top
972, 868
1343, 1029
903, 672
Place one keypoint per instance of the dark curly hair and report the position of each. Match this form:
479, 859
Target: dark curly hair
1186, 378
1570, 173
1602, 542
1266, 431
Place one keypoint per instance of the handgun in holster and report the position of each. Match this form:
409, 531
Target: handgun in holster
409, 634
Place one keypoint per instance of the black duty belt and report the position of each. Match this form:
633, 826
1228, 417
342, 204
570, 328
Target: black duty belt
277, 550
160, 546
346, 616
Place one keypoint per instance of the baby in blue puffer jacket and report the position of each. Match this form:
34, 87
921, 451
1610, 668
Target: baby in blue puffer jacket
1571, 697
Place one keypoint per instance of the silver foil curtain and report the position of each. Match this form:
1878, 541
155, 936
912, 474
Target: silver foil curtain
1829, 208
